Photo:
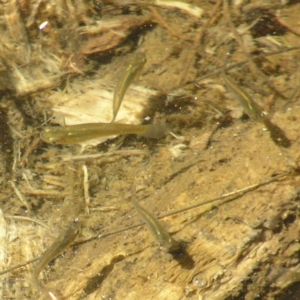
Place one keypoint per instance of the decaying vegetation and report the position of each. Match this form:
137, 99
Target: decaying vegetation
222, 184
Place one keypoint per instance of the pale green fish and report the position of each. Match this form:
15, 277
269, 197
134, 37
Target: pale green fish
127, 77
158, 231
252, 109
62, 242
76, 134
255, 112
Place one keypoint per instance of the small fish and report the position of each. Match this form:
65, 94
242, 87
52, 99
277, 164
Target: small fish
160, 234
127, 77
255, 112
63, 241
76, 134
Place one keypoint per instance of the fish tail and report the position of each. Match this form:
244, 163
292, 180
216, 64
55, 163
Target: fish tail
156, 131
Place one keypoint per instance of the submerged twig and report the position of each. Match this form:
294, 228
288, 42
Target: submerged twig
19, 195
20, 265
189, 8
86, 188
165, 24
32, 191
235, 194
30, 149
288, 26
252, 65
197, 40
202, 141
242, 63
104, 156
28, 220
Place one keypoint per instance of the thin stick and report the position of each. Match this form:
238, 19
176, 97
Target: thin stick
240, 64
163, 23
52, 296
238, 39
122, 153
197, 40
288, 26
20, 265
19, 195
252, 66
30, 149
204, 140
104, 208
26, 179
32, 191
234, 193
27, 219
188, 8
224, 196
86, 188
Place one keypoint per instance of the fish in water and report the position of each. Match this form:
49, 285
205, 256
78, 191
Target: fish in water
76, 134
127, 77
62, 242
159, 232
255, 112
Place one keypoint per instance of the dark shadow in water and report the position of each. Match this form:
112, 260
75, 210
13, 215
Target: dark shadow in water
95, 282
183, 258
292, 292
277, 134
